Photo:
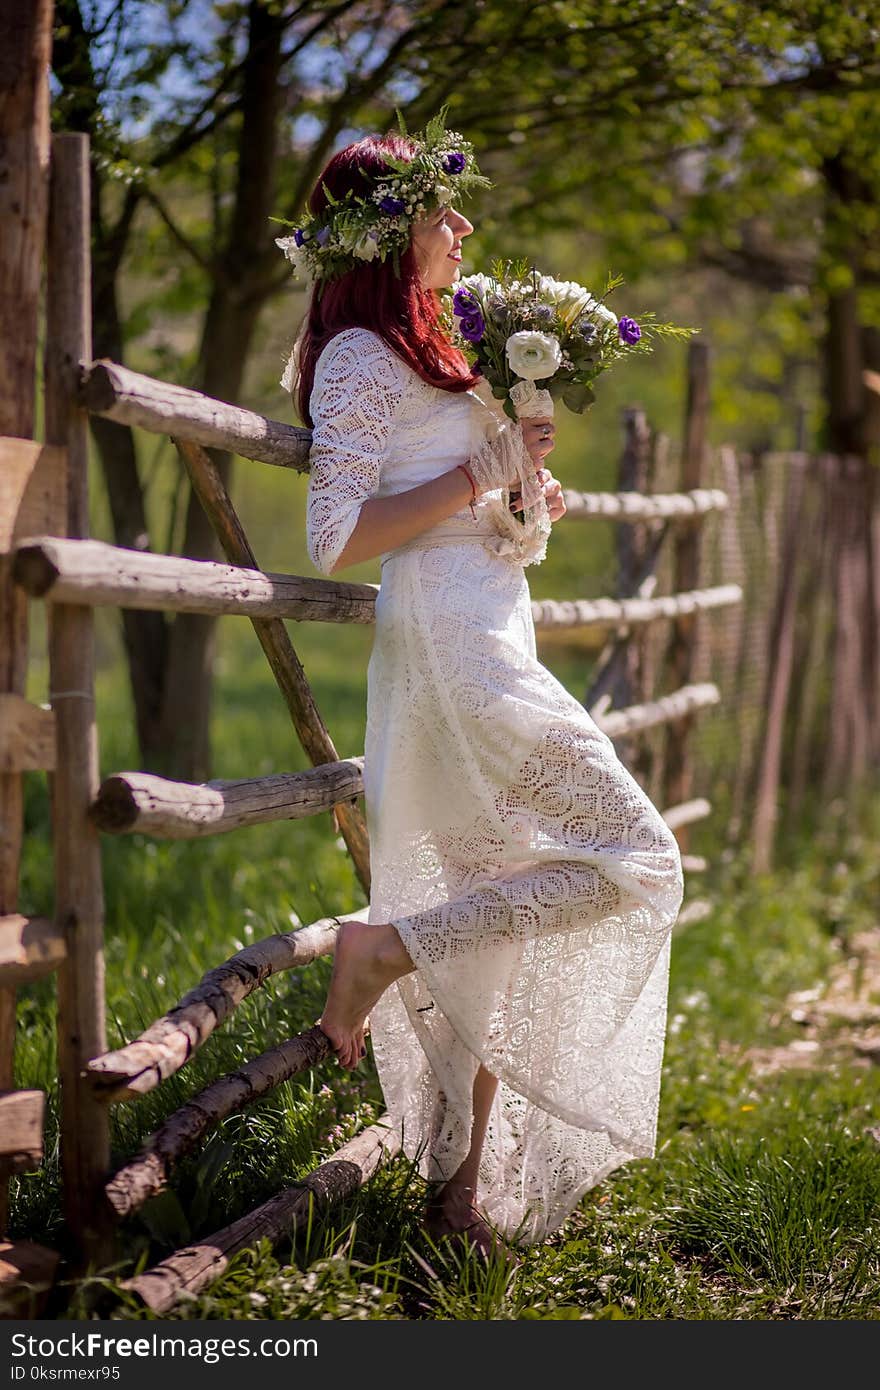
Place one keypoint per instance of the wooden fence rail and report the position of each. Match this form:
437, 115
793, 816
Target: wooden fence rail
189, 1270
94, 573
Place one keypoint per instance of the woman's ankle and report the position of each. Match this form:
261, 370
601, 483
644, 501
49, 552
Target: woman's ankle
393, 955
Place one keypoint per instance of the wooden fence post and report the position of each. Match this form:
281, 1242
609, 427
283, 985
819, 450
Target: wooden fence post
678, 772
780, 660
79, 903
638, 548
25, 43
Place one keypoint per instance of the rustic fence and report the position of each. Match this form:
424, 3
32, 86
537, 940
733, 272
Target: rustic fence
45, 511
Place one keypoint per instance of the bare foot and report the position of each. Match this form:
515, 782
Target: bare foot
451, 1214
366, 960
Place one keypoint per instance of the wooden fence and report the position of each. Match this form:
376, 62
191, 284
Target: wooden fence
45, 508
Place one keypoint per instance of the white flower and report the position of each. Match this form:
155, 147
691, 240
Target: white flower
570, 298
480, 285
533, 355
600, 311
293, 253
366, 248
289, 377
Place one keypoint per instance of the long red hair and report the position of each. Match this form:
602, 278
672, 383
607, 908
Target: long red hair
399, 308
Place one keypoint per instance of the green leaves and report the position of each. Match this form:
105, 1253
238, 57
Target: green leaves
578, 397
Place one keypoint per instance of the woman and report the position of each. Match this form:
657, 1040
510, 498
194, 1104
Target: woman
514, 965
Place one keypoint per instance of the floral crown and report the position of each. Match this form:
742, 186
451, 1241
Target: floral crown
358, 228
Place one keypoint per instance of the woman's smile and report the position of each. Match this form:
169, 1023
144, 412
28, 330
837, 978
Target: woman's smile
437, 241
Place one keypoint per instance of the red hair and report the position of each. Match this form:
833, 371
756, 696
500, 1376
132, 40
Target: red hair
400, 309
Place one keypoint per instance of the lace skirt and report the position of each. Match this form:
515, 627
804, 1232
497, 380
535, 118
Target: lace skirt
534, 885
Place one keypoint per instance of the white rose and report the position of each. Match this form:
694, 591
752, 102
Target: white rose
533, 355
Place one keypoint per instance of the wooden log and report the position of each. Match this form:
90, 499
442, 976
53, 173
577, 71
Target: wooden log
79, 897
138, 801
283, 660
630, 612
169, 1043
691, 505
192, 1269
26, 49
27, 735
694, 864
21, 1130
33, 494
681, 652
687, 812
27, 1273
148, 1174
694, 911
91, 572
117, 393
680, 704
30, 947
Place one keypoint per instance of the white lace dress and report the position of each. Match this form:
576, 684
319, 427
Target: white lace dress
533, 882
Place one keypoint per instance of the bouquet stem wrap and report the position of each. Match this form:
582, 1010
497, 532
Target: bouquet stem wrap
502, 461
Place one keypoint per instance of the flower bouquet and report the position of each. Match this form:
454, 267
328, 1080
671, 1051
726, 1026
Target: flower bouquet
538, 340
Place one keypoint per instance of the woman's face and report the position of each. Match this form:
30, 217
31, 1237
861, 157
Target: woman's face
436, 241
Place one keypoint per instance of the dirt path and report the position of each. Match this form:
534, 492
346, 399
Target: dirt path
840, 1019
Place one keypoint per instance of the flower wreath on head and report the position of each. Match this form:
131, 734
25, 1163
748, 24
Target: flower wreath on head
358, 228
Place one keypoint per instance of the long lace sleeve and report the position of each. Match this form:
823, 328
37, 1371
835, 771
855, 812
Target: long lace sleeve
358, 387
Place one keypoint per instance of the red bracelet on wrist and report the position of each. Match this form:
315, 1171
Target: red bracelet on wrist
467, 473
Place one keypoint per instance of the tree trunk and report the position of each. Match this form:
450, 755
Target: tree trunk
854, 717
236, 301
25, 45
144, 634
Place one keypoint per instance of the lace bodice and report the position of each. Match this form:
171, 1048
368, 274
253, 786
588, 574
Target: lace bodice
379, 429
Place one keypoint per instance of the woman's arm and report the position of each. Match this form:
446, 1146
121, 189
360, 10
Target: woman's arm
387, 522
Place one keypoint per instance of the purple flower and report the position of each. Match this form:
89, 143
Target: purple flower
472, 327
323, 236
465, 302
391, 204
299, 236
628, 330
454, 162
